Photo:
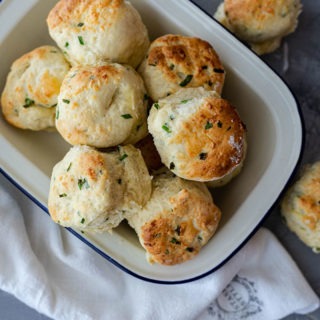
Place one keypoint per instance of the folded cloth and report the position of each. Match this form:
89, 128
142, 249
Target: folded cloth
50, 270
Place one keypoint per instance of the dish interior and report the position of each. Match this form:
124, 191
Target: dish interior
264, 103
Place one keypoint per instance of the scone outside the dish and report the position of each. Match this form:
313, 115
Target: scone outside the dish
177, 221
300, 206
31, 91
91, 190
175, 61
91, 31
262, 24
102, 106
199, 135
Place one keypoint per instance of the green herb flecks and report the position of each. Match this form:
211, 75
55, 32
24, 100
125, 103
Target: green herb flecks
189, 249
28, 102
166, 128
69, 167
175, 241
218, 70
123, 157
62, 195
171, 67
67, 101
178, 230
172, 166
156, 105
203, 156
208, 125
57, 113
81, 40
219, 124
126, 116
186, 80
83, 183
66, 45
185, 101
80, 24
83, 220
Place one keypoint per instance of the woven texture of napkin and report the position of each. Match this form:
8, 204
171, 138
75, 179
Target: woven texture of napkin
53, 272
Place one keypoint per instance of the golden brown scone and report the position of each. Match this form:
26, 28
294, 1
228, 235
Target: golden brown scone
301, 207
93, 190
102, 106
178, 220
91, 31
176, 61
198, 135
30, 95
262, 24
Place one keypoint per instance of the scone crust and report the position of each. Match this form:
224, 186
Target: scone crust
176, 61
102, 106
301, 206
30, 95
258, 21
89, 31
178, 220
198, 134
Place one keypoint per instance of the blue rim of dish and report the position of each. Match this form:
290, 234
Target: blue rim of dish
241, 245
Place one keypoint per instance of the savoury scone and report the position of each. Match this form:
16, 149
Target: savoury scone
199, 135
262, 24
92, 190
177, 221
89, 31
176, 61
102, 106
30, 95
301, 207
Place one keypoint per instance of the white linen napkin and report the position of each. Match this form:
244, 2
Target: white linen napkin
53, 272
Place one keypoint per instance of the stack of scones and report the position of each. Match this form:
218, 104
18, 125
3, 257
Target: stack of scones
148, 128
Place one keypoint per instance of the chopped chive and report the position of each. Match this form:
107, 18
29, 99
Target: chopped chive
171, 117
54, 105
66, 101
210, 83
172, 165
171, 66
69, 167
178, 230
167, 251
145, 97
229, 128
204, 67
208, 125
57, 114
186, 80
199, 238
83, 183
80, 24
138, 127
203, 156
66, 44
156, 105
62, 195
185, 101
175, 241
28, 102
82, 220
189, 249
126, 116
166, 128
119, 180
219, 124
218, 70
81, 40
123, 157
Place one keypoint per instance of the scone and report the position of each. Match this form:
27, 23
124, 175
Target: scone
90, 31
262, 24
92, 190
301, 207
175, 61
177, 221
199, 135
31, 91
102, 106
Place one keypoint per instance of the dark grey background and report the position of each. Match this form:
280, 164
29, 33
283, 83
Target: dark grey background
303, 77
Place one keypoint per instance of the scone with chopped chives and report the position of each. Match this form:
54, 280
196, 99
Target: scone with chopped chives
91, 31
301, 207
93, 191
199, 136
260, 23
177, 221
175, 61
30, 95
102, 106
